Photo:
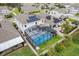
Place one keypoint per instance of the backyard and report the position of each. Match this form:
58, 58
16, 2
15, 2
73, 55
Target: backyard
69, 47
67, 28
24, 51
49, 43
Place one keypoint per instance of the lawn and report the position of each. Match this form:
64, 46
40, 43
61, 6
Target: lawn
71, 19
24, 51
50, 42
16, 11
72, 49
77, 14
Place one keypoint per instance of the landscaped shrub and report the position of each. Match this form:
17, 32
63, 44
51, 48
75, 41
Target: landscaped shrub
68, 29
9, 16
59, 48
15, 25
77, 14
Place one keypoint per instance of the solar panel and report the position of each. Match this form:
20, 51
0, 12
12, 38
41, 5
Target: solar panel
32, 18
56, 20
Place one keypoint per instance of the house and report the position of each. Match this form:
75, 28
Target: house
57, 22
38, 35
25, 21
73, 10
28, 8
4, 10
55, 13
9, 36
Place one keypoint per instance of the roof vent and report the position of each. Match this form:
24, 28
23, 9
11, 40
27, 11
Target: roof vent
0, 25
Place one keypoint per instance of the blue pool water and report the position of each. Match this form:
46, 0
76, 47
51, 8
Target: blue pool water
37, 40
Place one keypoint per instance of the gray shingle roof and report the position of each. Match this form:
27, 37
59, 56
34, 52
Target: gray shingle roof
28, 7
24, 17
4, 10
7, 31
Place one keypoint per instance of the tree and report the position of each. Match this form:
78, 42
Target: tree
59, 5
66, 27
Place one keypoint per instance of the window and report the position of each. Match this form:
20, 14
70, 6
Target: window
36, 23
25, 26
22, 25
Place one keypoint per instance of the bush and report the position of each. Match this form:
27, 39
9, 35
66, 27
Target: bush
59, 48
77, 14
9, 16
15, 25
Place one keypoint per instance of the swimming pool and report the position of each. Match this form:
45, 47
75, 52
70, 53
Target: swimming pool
39, 35
41, 38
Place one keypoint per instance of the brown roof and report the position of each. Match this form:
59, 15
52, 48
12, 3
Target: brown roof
7, 31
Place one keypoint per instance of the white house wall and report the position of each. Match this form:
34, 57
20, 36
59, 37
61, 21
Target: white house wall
10, 43
22, 26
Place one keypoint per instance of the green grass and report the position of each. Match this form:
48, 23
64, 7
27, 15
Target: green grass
49, 43
24, 51
16, 11
71, 19
72, 49
77, 14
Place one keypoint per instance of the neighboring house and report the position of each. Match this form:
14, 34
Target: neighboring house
73, 10
57, 22
28, 8
25, 21
9, 36
59, 14
1, 17
4, 10
55, 13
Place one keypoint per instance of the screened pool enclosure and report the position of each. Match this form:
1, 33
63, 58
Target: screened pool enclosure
38, 35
